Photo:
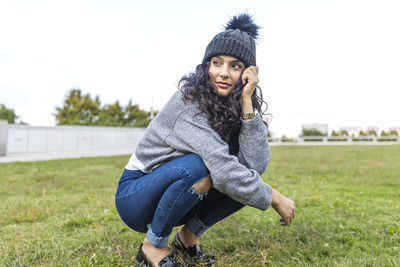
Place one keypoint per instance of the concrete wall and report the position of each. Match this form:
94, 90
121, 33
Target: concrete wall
22, 138
3, 137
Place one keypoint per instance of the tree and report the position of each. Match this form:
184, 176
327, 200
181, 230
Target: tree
383, 133
81, 109
7, 114
78, 109
312, 132
136, 117
111, 115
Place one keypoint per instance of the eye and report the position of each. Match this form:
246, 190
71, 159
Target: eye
237, 66
216, 63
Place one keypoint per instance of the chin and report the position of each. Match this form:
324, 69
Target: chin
224, 93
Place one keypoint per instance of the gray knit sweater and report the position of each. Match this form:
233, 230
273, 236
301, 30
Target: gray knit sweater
177, 131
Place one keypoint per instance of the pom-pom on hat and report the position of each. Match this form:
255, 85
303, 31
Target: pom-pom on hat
238, 40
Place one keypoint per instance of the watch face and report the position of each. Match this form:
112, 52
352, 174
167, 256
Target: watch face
248, 115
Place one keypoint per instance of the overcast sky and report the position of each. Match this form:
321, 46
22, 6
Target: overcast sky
332, 62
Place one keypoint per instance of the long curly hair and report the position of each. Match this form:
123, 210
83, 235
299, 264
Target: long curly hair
223, 112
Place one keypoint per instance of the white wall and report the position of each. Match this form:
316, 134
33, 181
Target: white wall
22, 138
3, 137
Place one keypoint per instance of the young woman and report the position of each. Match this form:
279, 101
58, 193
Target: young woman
201, 157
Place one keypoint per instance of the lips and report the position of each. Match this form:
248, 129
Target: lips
223, 85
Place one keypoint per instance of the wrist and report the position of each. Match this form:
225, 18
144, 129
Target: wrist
248, 116
245, 98
246, 104
275, 198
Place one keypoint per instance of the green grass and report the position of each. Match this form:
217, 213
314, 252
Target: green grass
61, 212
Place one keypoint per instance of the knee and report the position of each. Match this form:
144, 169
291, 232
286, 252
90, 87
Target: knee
196, 166
203, 186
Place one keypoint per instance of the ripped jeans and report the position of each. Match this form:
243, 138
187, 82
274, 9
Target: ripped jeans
156, 202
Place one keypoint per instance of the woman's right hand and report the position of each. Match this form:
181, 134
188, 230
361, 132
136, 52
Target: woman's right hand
284, 206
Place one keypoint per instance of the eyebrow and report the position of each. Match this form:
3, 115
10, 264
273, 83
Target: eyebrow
233, 61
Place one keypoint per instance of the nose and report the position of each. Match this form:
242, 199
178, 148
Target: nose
224, 73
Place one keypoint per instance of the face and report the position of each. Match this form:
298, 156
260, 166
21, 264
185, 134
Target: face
224, 73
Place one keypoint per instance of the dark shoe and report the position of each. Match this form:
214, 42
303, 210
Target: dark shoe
192, 255
168, 261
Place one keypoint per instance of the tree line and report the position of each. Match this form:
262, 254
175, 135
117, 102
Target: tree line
81, 109
9, 115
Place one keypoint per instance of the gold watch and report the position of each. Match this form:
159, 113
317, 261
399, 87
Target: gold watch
246, 116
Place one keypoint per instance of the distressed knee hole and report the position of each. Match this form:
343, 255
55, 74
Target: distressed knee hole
203, 186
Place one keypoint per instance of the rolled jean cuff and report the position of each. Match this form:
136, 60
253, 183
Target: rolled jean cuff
196, 226
156, 241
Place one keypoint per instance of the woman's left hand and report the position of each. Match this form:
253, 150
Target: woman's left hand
250, 79
284, 206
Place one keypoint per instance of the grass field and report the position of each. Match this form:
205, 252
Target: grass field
61, 212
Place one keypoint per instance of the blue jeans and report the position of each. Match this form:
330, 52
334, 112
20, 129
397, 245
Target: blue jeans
158, 201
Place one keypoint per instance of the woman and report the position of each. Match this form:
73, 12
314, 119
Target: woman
202, 156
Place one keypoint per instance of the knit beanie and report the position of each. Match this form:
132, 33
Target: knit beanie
238, 40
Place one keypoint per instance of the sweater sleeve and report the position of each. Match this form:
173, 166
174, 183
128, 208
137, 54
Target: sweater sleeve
254, 151
192, 133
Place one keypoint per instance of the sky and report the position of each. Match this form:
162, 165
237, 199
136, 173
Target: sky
320, 61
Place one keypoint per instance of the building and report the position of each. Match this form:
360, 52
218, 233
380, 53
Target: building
373, 128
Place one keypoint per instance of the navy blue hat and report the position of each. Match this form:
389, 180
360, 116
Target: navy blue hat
238, 40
